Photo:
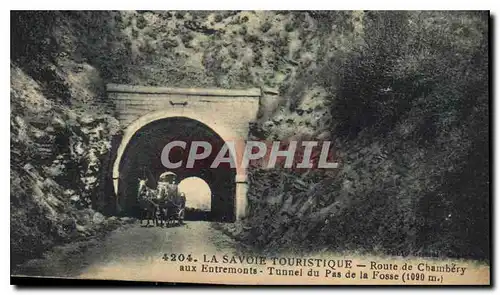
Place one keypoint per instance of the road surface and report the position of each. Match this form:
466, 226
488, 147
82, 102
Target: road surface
135, 253
132, 252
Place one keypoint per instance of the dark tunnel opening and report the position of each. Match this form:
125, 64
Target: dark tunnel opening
142, 159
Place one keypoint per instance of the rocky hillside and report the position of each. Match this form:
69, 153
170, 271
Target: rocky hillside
60, 138
409, 111
56, 155
404, 96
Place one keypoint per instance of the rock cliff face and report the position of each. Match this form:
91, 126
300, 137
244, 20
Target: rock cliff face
56, 156
404, 97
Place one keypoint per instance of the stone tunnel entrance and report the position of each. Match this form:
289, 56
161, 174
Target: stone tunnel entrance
142, 159
152, 116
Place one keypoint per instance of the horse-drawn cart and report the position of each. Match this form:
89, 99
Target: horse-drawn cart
165, 205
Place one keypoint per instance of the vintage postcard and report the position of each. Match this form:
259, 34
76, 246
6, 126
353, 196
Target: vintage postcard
251, 147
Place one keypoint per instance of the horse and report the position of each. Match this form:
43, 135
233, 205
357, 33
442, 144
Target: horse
145, 198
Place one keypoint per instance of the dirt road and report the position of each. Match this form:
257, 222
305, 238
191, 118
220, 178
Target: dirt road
131, 252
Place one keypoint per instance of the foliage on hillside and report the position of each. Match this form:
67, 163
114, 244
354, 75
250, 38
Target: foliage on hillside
410, 121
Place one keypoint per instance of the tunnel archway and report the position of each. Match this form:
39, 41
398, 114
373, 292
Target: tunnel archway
142, 159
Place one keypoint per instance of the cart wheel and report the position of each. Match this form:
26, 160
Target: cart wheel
181, 217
